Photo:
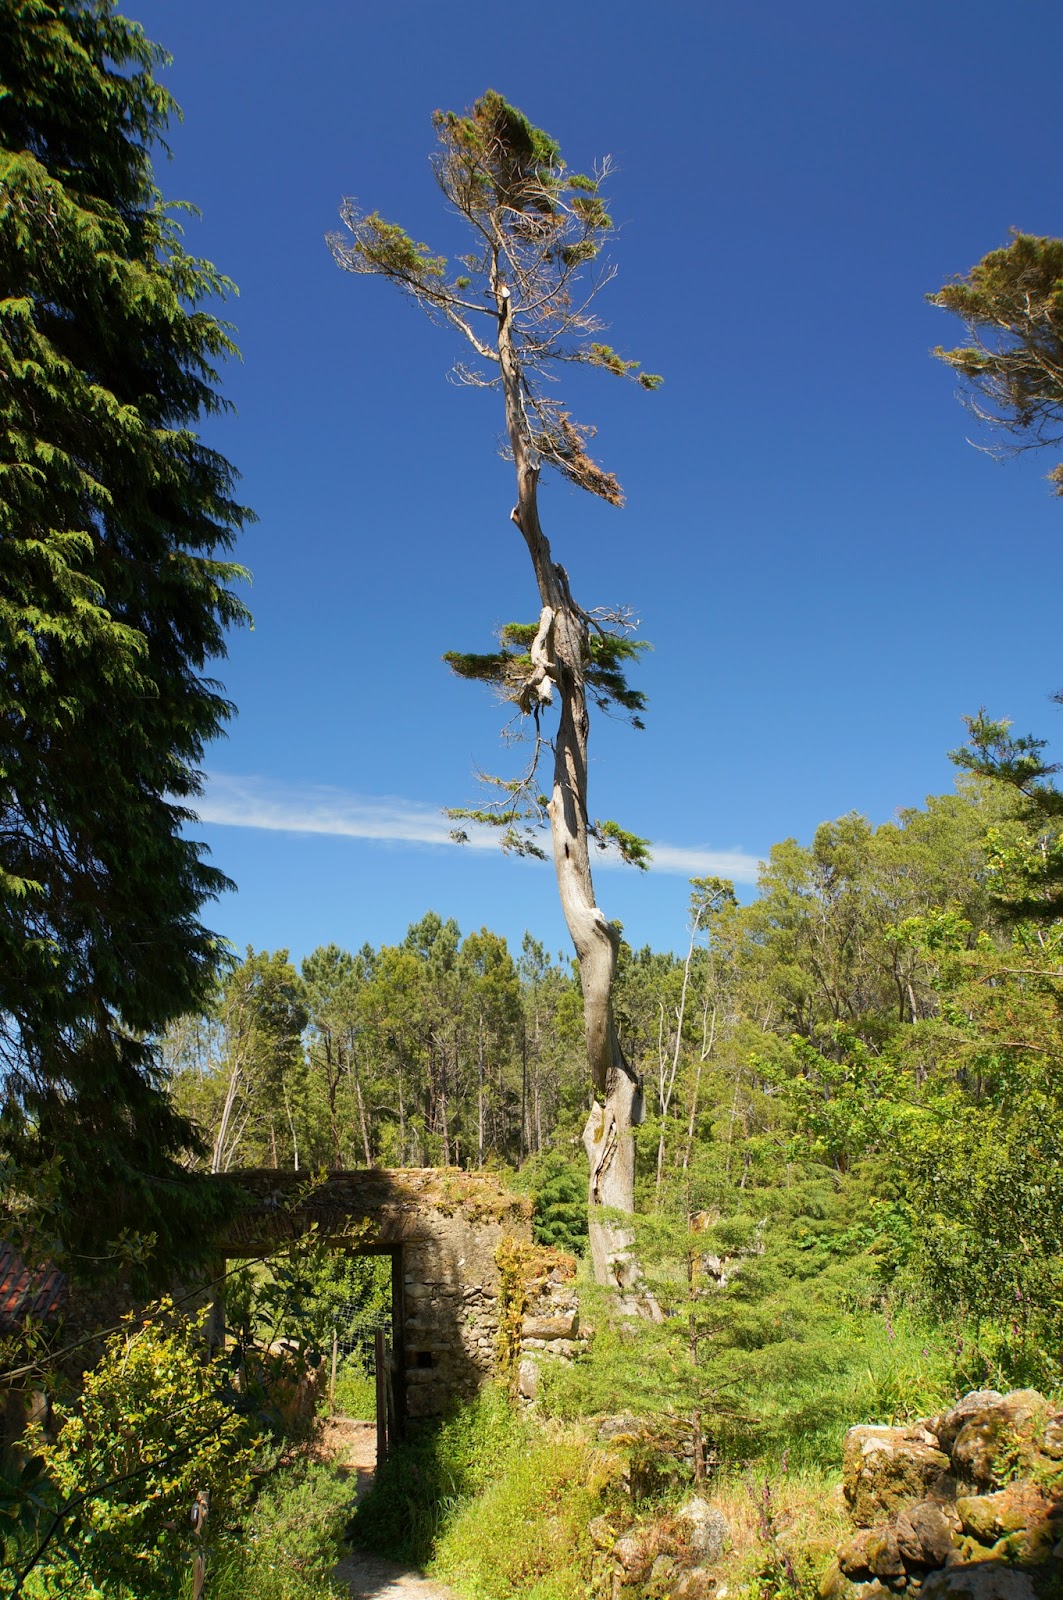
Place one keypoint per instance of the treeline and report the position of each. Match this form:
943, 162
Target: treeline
443, 1050
875, 1036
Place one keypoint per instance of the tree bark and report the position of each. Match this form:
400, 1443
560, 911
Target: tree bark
562, 649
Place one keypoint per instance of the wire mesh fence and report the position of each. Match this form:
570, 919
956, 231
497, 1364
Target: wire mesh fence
356, 1329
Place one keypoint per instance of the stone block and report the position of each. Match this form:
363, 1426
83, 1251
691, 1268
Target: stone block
925, 1533
873, 1552
555, 1327
528, 1379
885, 1468
707, 1529
982, 1580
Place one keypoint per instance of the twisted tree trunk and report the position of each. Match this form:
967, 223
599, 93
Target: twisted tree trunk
559, 653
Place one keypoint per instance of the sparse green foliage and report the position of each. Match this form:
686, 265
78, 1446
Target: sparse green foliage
632, 849
1025, 865
1011, 303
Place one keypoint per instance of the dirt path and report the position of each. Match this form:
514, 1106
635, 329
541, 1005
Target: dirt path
351, 1446
373, 1578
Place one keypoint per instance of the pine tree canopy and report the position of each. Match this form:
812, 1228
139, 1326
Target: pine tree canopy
115, 521
1011, 303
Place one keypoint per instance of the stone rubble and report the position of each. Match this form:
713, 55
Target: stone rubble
551, 1329
967, 1505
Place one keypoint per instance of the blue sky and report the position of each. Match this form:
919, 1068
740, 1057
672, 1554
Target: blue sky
830, 574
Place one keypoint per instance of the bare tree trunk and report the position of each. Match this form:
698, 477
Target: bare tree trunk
480, 1093
362, 1118
523, 1148
402, 1117
562, 647
667, 1078
291, 1125
217, 1159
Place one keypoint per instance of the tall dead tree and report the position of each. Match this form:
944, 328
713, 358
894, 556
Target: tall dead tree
522, 301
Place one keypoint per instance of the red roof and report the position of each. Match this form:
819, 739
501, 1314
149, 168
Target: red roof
27, 1291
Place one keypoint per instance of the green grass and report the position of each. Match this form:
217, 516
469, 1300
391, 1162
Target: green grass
355, 1393
430, 1478
526, 1534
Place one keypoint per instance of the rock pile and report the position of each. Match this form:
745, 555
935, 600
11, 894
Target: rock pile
550, 1327
668, 1556
968, 1504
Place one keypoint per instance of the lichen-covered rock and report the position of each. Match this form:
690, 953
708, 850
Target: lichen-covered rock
1001, 1539
602, 1532
987, 1431
662, 1573
977, 1403
873, 1552
707, 1529
1051, 1440
696, 1584
884, 1468
623, 1426
1029, 1546
925, 1533
982, 1580
834, 1585
990, 1517
630, 1551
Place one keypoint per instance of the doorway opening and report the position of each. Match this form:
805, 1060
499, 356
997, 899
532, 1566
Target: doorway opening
319, 1330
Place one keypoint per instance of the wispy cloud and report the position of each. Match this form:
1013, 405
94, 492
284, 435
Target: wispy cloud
705, 863
254, 802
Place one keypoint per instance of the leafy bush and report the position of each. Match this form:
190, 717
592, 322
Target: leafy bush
291, 1541
149, 1431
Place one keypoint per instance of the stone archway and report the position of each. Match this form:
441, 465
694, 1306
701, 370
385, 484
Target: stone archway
441, 1227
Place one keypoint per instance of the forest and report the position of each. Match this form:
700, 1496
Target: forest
880, 1019
793, 1173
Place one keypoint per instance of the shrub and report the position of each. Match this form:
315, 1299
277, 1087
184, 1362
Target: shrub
355, 1392
291, 1540
149, 1431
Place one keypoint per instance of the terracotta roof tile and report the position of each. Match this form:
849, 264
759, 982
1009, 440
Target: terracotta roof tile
27, 1291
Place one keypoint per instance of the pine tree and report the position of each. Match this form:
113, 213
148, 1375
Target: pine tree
521, 301
115, 518
1011, 305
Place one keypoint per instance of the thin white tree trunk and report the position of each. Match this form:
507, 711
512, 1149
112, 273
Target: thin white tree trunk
561, 651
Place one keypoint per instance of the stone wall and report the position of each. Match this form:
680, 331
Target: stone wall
442, 1228
550, 1325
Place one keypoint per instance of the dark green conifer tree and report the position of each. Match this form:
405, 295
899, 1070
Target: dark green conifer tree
113, 600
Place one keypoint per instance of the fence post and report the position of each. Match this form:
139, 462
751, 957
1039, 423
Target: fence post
200, 1508
380, 1361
